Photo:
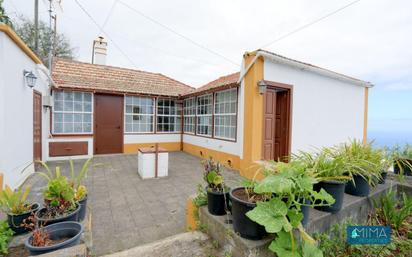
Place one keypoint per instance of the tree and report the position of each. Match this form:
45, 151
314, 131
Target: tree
62, 48
3, 17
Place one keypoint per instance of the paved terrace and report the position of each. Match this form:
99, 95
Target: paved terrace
128, 211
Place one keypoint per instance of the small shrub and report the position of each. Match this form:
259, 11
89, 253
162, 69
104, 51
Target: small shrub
5, 236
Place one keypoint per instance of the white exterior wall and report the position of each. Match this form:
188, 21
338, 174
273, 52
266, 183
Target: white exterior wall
151, 138
325, 111
16, 112
230, 147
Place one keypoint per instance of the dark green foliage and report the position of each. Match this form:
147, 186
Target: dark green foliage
5, 236
25, 29
3, 16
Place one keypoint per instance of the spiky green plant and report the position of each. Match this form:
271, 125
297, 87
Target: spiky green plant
15, 202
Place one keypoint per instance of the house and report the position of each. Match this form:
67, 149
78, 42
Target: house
272, 107
24, 87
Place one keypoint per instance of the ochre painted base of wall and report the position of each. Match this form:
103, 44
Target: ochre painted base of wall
229, 160
192, 214
133, 148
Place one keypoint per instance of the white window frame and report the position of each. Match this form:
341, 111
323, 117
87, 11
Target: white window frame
192, 116
142, 114
176, 116
54, 112
217, 113
198, 115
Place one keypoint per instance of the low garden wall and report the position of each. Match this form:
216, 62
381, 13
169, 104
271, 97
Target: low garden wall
355, 209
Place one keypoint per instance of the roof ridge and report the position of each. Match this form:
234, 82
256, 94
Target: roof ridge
117, 67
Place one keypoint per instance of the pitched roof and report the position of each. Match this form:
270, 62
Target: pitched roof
71, 74
317, 69
227, 80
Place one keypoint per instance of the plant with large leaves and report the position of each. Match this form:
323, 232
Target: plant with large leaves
291, 188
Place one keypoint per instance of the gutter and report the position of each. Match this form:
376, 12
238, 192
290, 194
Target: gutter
304, 66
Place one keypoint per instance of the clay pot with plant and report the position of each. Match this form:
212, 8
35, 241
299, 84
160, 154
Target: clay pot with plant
217, 192
285, 190
59, 199
17, 208
45, 239
80, 190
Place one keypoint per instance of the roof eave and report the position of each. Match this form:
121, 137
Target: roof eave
312, 68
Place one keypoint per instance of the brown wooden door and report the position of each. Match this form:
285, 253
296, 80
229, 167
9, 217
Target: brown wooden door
282, 124
269, 124
37, 126
108, 125
276, 124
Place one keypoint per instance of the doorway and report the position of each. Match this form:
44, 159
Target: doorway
108, 124
277, 122
37, 116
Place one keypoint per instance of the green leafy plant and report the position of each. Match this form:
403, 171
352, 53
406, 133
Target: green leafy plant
59, 194
14, 202
201, 198
361, 159
77, 179
393, 212
5, 236
402, 158
323, 164
212, 176
290, 188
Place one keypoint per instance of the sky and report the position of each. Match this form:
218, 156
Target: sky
370, 40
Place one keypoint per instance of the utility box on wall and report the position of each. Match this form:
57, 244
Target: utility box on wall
147, 162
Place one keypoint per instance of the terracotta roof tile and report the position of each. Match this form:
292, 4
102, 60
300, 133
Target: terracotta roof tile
79, 75
230, 79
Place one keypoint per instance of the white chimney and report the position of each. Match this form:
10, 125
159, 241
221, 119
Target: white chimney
99, 51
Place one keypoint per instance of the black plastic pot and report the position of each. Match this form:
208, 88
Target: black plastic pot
217, 202
15, 221
358, 187
83, 208
241, 223
305, 211
336, 189
73, 216
383, 177
69, 229
402, 164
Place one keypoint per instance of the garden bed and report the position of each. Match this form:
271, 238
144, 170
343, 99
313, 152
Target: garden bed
354, 208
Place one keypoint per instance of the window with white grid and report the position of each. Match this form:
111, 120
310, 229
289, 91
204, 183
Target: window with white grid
169, 116
225, 114
72, 112
189, 108
204, 115
139, 112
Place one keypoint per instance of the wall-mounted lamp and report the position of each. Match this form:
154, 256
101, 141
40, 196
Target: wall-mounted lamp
30, 78
262, 87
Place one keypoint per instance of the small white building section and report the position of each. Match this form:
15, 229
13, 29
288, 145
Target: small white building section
16, 107
325, 110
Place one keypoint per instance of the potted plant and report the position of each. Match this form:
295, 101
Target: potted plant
53, 237
17, 208
80, 190
59, 199
217, 192
402, 157
329, 173
6, 234
362, 164
386, 163
244, 200
288, 187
